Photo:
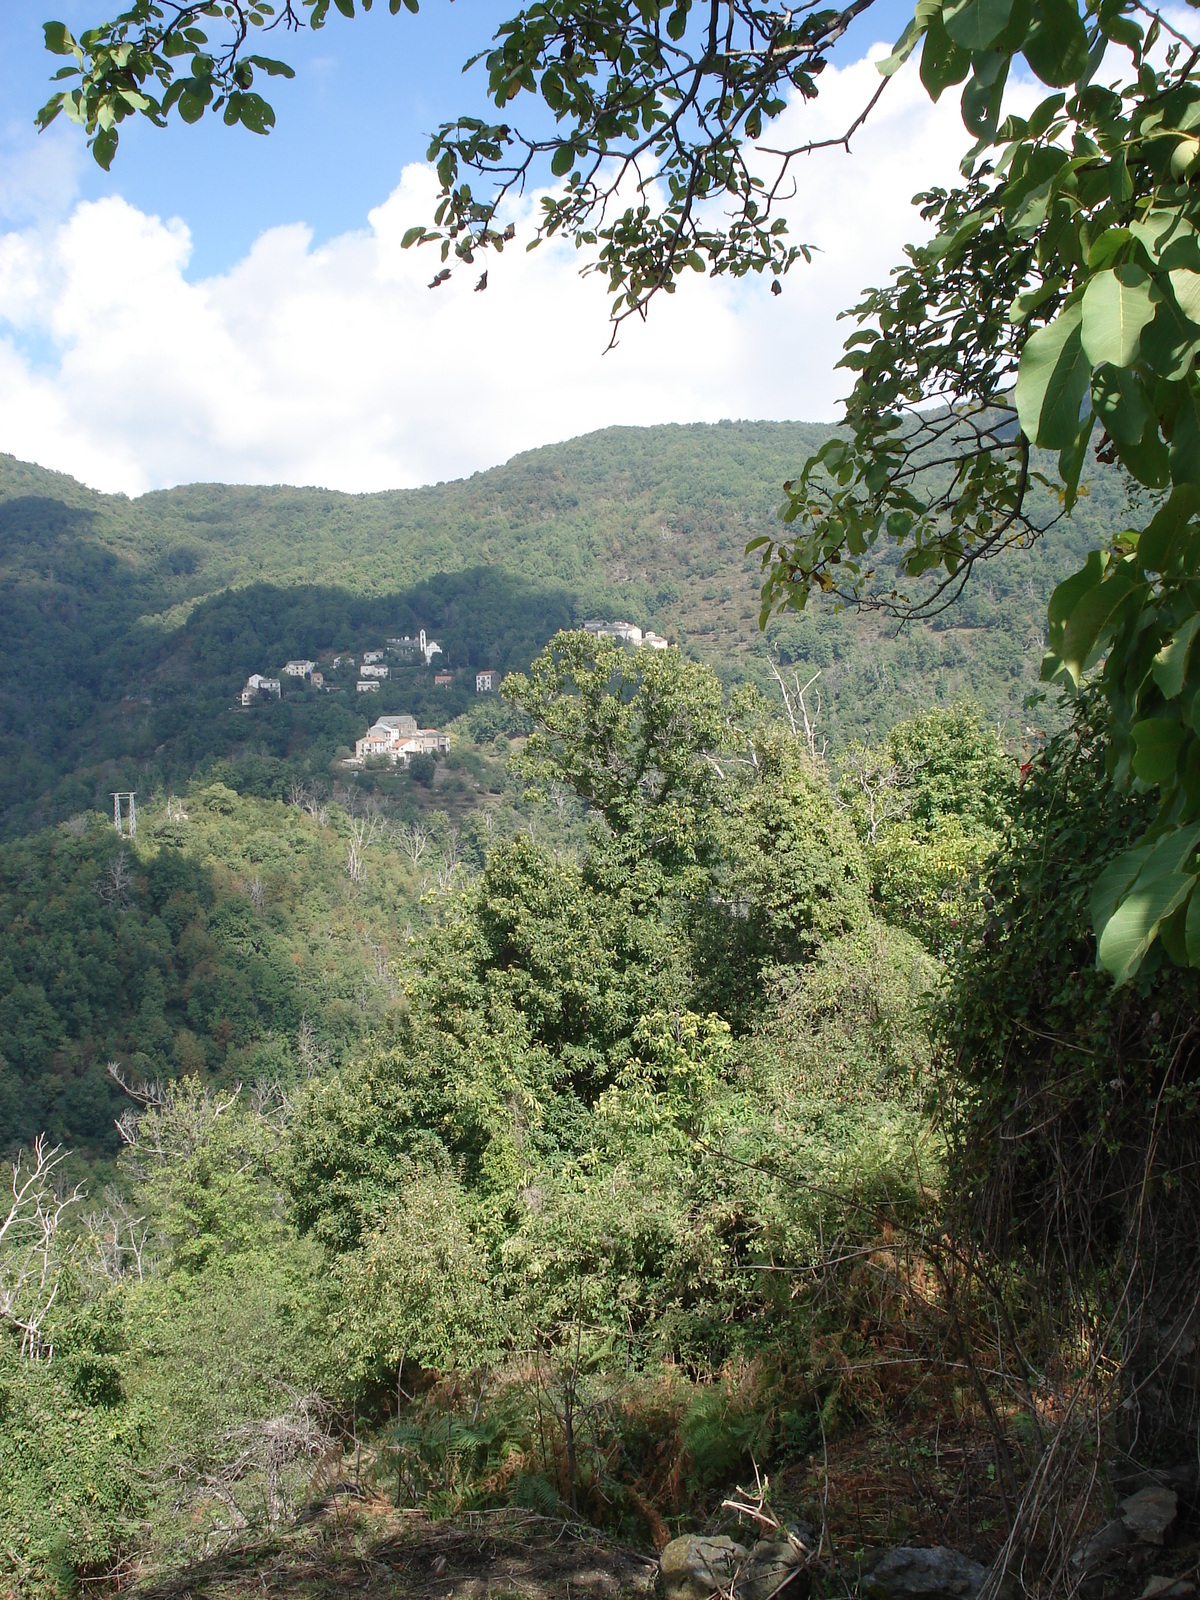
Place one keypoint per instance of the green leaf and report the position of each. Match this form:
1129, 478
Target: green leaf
1185, 444
562, 159
942, 61
1158, 888
1120, 402
104, 147
1117, 305
1027, 302
1170, 341
273, 68
1171, 933
411, 235
1157, 742
1171, 662
1191, 931
1185, 286
1071, 461
1166, 542
1159, 229
1052, 381
1056, 45
1120, 182
1147, 459
976, 24
1087, 629
1070, 591
59, 39
1115, 882
901, 50
983, 96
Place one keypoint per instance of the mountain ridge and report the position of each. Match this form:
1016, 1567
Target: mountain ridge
107, 600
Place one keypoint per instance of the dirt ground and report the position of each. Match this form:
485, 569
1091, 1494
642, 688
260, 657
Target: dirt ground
369, 1549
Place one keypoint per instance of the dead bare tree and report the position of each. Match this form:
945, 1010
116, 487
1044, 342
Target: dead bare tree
116, 1240
451, 842
260, 1461
355, 847
414, 841
113, 885
878, 784
269, 1100
446, 874
380, 970
313, 1055
308, 799
252, 888
174, 1122
31, 1253
803, 723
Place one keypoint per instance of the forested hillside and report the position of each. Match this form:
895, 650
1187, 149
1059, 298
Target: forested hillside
130, 625
655, 1091
586, 1154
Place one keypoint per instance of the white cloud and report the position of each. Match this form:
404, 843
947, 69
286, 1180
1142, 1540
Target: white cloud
338, 366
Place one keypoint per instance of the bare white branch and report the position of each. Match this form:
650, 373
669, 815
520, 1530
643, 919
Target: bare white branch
31, 1253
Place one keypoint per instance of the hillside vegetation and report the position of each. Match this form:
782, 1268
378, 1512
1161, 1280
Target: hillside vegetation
673, 1141
131, 624
657, 1091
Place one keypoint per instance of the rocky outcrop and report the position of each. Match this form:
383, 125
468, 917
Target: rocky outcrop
918, 1574
1162, 1587
1149, 1513
772, 1566
693, 1568
696, 1568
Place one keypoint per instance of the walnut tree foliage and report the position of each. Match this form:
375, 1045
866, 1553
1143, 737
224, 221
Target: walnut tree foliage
1055, 313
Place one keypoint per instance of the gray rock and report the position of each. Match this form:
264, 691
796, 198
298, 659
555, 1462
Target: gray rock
774, 1564
693, 1568
914, 1574
1149, 1513
1160, 1587
1102, 1546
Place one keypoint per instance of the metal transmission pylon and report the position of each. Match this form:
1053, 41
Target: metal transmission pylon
125, 810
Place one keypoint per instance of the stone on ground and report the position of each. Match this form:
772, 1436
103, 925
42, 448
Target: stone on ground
693, 1568
773, 1564
1149, 1513
912, 1574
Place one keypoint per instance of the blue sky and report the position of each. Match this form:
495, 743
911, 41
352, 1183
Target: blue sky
366, 96
227, 307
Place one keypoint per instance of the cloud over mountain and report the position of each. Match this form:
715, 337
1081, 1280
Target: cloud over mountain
336, 365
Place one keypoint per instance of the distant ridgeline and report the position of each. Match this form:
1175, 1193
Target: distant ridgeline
130, 626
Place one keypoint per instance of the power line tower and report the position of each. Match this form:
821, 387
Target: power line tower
125, 811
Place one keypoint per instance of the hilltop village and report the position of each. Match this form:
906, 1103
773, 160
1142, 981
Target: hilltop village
372, 668
396, 738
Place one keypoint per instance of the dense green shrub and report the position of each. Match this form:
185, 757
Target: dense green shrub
72, 1484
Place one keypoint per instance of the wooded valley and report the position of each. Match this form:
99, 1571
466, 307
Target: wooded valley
699, 1077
